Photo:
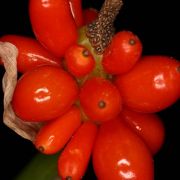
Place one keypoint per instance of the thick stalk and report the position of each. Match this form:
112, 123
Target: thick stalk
97, 35
101, 30
41, 167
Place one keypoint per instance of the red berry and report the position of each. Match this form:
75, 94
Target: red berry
152, 85
44, 93
123, 52
79, 61
100, 99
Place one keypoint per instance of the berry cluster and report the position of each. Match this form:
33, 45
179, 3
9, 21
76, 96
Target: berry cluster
92, 94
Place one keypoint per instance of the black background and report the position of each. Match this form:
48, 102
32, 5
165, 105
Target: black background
156, 23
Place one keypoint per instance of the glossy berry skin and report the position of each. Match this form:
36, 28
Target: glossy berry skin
119, 154
74, 159
152, 85
123, 52
30, 53
53, 136
89, 14
148, 126
79, 60
53, 24
100, 99
77, 12
43, 94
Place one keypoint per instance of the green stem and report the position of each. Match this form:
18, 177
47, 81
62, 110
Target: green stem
42, 167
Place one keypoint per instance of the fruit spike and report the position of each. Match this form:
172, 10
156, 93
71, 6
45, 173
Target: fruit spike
97, 35
101, 30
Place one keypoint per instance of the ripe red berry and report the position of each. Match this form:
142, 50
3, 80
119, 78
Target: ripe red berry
44, 93
152, 85
53, 136
79, 60
123, 53
73, 161
148, 126
100, 99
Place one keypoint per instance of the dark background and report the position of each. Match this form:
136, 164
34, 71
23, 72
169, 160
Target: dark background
156, 24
